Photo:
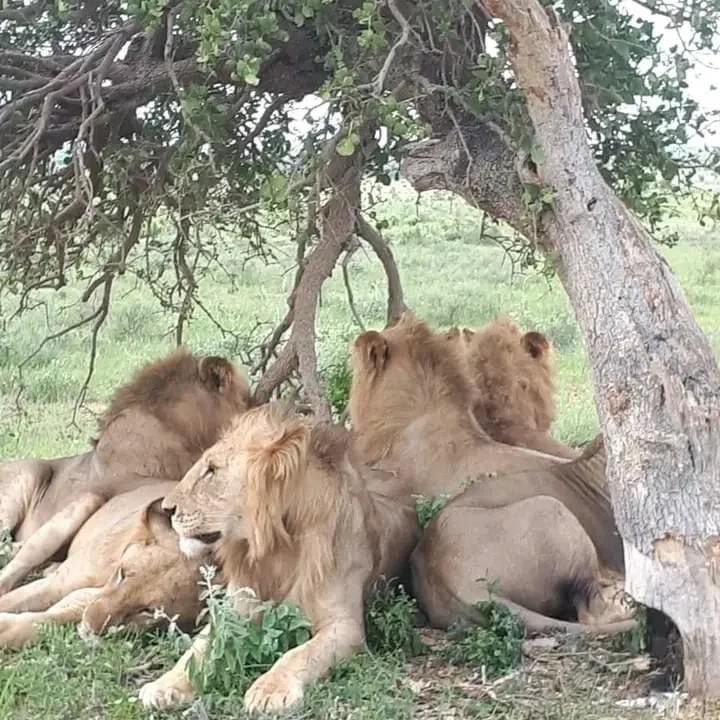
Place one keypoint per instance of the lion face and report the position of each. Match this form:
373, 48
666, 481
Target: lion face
151, 574
238, 490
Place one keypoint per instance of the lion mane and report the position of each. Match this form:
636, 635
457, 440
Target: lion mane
288, 515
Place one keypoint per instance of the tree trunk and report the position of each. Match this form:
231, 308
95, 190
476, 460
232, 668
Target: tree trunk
657, 382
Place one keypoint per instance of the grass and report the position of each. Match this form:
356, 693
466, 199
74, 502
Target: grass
451, 276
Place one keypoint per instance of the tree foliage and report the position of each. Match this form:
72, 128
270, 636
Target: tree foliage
116, 114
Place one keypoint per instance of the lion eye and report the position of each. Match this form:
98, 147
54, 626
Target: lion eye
209, 472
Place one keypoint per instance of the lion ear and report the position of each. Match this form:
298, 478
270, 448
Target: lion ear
217, 372
535, 343
373, 348
272, 469
143, 532
468, 334
452, 333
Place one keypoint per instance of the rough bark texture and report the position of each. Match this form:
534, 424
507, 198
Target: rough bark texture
656, 379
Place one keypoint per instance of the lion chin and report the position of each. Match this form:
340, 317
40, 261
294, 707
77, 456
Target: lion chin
193, 548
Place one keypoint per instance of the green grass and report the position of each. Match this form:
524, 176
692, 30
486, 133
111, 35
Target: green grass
451, 276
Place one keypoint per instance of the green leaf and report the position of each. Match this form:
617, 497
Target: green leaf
345, 147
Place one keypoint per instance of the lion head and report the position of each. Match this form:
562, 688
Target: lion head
399, 374
514, 373
193, 397
270, 480
151, 574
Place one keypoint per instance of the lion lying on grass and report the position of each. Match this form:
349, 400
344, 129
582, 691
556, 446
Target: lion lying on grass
543, 543
514, 373
289, 517
123, 563
155, 428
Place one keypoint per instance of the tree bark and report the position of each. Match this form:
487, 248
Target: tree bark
657, 382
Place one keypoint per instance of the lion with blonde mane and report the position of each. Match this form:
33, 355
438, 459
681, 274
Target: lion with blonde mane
155, 428
287, 514
514, 373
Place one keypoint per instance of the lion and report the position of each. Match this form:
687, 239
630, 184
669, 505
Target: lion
288, 516
548, 537
155, 428
514, 372
412, 409
122, 565
533, 556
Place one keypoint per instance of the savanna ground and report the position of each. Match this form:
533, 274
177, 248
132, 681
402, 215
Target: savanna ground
452, 275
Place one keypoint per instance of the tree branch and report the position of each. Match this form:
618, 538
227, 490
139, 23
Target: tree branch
396, 297
337, 221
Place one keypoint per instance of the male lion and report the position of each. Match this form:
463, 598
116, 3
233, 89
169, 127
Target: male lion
155, 428
412, 412
514, 373
289, 517
123, 563
532, 555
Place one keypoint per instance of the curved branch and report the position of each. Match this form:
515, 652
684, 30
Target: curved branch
337, 221
396, 297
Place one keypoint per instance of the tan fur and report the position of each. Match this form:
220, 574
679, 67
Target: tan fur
123, 563
295, 523
514, 374
154, 429
411, 406
533, 555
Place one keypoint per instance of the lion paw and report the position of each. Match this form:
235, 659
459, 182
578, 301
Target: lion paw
167, 691
15, 630
274, 691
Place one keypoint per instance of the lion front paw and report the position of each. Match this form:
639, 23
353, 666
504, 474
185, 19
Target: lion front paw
167, 691
15, 630
274, 691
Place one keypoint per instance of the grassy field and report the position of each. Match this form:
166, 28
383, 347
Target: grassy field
451, 276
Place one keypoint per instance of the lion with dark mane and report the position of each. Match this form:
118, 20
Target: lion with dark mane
288, 516
155, 428
514, 373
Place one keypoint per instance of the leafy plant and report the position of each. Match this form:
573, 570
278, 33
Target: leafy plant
390, 621
494, 642
338, 378
428, 507
242, 647
5, 547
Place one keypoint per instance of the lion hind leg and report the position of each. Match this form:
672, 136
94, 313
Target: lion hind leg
20, 482
50, 538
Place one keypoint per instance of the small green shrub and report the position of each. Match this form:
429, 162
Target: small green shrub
338, 378
242, 648
390, 621
428, 507
495, 641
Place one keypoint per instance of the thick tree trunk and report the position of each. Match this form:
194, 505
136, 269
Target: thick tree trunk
656, 379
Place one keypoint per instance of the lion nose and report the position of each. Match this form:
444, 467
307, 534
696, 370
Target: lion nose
168, 508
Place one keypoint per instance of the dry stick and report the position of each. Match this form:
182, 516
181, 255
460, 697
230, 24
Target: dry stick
348, 289
338, 221
396, 297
